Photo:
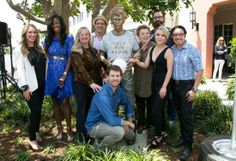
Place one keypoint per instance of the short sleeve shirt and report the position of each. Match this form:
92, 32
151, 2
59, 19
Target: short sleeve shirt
119, 46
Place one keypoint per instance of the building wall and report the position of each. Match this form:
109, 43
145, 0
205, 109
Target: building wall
208, 15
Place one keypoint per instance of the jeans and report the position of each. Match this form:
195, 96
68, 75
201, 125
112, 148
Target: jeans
218, 66
110, 135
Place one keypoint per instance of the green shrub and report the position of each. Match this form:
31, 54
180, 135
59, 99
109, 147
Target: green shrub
87, 152
204, 105
210, 116
13, 112
230, 87
47, 111
203, 80
232, 53
219, 123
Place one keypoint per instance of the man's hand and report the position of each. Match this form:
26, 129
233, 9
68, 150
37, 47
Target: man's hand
126, 127
190, 95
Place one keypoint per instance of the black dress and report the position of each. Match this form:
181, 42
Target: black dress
158, 104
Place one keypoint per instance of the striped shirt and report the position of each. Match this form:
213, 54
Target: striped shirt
187, 61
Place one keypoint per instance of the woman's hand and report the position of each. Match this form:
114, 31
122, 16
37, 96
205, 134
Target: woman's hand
27, 95
132, 61
95, 87
62, 80
162, 92
105, 80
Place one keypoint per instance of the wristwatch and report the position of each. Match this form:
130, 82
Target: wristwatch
195, 90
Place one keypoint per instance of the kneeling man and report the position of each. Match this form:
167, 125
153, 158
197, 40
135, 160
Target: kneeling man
103, 122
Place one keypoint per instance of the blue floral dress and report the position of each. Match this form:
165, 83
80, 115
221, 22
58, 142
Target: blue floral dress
55, 68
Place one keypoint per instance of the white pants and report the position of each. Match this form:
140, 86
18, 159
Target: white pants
218, 67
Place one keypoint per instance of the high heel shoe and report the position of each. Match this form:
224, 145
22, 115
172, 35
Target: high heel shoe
156, 142
34, 145
69, 134
59, 133
38, 137
69, 137
164, 134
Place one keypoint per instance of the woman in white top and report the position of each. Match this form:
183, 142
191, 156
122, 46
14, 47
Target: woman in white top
30, 65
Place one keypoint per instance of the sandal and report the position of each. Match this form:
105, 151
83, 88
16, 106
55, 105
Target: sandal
156, 142
164, 134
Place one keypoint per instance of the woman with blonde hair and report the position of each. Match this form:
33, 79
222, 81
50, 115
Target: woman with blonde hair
219, 57
89, 73
161, 58
30, 65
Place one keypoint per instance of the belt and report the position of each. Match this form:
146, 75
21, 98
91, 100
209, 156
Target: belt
58, 57
183, 81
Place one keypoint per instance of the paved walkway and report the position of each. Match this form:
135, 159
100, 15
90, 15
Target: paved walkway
219, 88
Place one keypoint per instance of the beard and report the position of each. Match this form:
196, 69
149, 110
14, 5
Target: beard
157, 24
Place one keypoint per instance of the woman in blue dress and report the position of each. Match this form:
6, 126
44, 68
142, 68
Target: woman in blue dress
59, 77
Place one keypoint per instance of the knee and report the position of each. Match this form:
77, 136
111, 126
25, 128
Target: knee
119, 133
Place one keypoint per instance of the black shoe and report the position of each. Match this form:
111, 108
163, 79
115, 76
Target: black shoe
186, 153
179, 143
140, 130
130, 142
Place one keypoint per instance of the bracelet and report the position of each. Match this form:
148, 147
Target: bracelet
195, 90
65, 73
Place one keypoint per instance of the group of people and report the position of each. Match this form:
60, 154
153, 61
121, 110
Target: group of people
166, 67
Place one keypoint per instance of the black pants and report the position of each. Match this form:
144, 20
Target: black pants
143, 104
35, 105
83, 95
184, 108
158, 110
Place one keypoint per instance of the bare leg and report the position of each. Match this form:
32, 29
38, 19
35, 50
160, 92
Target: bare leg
66, 107
58, 116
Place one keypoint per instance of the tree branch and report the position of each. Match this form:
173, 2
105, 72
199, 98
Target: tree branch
111, 4
23, 12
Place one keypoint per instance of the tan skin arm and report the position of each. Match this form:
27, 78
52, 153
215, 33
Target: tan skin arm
103, 59
63, 77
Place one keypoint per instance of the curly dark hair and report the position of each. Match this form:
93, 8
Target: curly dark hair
51, 33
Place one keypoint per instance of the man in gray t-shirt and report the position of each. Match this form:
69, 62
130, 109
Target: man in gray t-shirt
120, 44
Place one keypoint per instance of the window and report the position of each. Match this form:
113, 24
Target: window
225, 30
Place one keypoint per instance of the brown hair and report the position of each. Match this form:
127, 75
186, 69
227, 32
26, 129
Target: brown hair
140, 28
114, 68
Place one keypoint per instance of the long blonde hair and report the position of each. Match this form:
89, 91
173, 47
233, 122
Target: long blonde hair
78, 47
218, 41
24, 44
